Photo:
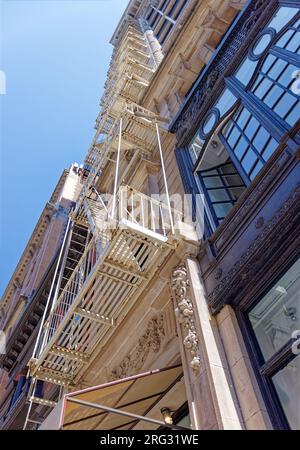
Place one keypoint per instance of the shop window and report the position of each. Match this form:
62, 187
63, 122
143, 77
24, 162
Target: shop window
274, 320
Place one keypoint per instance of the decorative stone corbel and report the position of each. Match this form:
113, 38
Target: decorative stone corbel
185, 314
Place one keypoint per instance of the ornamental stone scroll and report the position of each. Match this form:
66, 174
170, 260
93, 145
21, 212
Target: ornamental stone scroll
185, 315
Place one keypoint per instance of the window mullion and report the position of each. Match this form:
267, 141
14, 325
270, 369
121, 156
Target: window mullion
265, 116
235, 161
208, 200
286, 55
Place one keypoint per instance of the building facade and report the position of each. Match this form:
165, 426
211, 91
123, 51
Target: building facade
23, 302
178, 254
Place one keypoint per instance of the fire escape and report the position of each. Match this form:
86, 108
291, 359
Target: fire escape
112, 246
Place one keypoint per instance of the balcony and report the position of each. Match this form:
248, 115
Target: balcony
131, 236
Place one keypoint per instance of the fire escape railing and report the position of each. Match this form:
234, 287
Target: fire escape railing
134, 210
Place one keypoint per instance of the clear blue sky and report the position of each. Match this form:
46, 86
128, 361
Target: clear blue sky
55, 54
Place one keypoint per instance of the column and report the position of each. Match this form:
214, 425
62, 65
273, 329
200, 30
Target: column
211, 396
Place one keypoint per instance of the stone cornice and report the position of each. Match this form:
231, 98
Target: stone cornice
129, 14
33, 243
36, 306
280, 233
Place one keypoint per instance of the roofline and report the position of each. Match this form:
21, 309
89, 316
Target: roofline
49, 207
131, 10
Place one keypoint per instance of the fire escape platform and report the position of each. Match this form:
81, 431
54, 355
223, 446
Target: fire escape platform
111, 275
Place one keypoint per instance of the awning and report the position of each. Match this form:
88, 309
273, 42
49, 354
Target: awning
120, 404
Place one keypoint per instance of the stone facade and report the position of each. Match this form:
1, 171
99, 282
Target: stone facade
182, 303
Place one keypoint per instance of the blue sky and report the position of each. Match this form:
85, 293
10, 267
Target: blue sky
55, 55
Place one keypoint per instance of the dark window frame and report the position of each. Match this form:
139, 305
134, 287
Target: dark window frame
265, 370
268, 119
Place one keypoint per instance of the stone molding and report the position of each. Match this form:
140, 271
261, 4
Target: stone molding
150, 341
259, 254
185, 314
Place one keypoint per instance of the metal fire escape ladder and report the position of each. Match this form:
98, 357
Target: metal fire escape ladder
131, 237
73, 246
121, 243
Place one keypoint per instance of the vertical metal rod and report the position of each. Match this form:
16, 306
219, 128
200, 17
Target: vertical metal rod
165, 178
30, 393
161, 13
51, 289
142, 211
117, 170
59, 280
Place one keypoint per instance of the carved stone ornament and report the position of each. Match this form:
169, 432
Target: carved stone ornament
185, 314
149, 342
275, 234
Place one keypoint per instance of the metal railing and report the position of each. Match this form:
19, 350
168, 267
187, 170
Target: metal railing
80, 275
144, 212
133, 210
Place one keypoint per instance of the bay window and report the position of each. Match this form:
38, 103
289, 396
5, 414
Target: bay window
257, 107
274, 320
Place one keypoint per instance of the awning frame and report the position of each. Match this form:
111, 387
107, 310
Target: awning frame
70, 398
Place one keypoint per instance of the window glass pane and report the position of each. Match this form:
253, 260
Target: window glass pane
263, 88
251, 128
286, 78
287, 386
227, 168
290, 41
255, 170
262, 44
250, 143
236, 192
234, 135
283, 15
241, 148
261, 139
268, 62
270, 148
222, 209
218, 195
227, 129
209, 123
243, 118
232, 180
195, 148
211, 182
293, 115
258, 80
275, 87
277, 315
294, 44
249, 160
284, 105
229, 186
274, 94
285, 38
245, 71
225, 102
277, 69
